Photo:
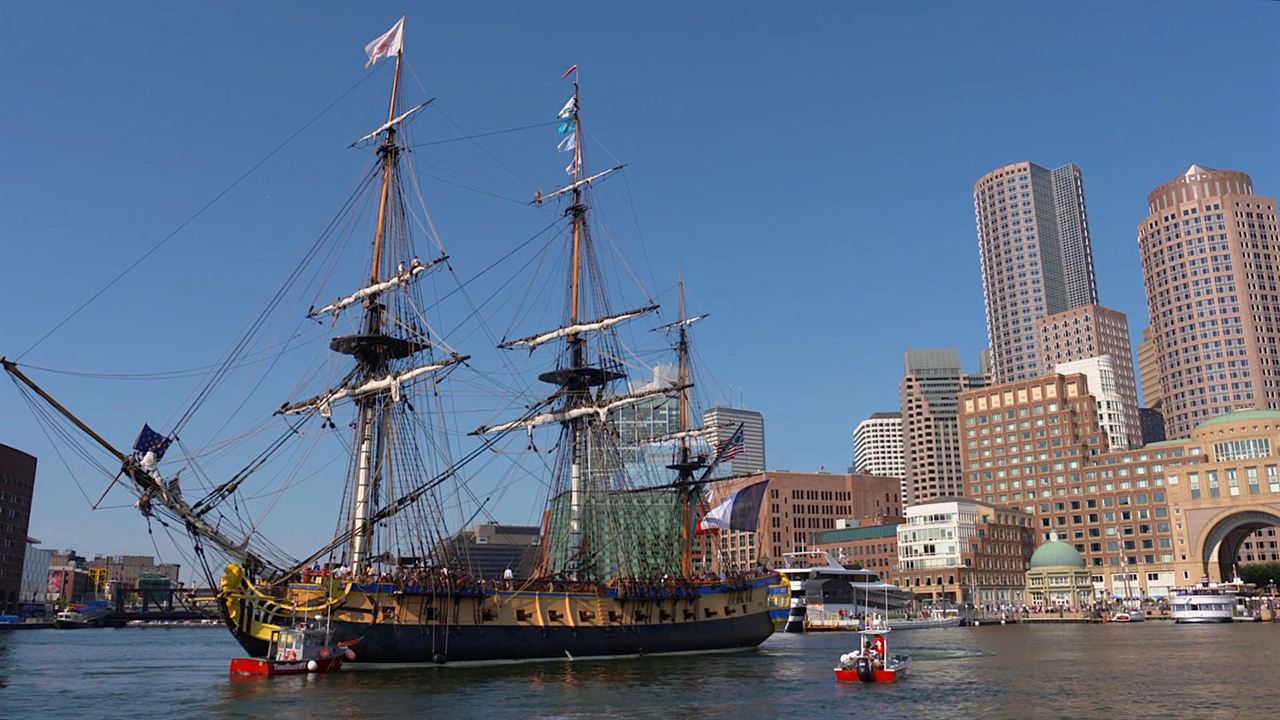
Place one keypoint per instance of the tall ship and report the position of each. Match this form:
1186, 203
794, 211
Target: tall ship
620, 569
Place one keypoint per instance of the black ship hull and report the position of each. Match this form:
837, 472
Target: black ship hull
388, 643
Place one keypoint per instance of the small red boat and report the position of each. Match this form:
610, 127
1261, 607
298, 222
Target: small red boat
296, 652
872, 663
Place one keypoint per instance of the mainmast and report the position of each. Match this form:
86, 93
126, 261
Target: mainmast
580, 403
580, 393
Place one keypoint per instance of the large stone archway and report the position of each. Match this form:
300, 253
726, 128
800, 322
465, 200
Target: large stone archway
1225, 535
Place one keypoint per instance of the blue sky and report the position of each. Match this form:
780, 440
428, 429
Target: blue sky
808, 168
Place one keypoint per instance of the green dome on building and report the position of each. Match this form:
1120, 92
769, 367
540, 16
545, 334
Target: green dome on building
1241, 416
1056, 554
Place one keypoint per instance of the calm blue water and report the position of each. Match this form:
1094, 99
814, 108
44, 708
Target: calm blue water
1055, 671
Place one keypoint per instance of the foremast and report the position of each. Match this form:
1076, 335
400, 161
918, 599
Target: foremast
371, 365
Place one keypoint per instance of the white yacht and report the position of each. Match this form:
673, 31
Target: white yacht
825, 593
1205, 602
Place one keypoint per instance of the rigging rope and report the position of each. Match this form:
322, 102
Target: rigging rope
120, 276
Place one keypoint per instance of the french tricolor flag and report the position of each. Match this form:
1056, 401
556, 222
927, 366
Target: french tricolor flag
741, 511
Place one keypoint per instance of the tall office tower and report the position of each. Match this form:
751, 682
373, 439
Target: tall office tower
722, 422
1089, 332
877, 447
1210, 252
1149, 370
1033, 242
930, 434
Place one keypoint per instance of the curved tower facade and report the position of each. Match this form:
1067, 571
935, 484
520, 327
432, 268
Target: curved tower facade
1210, 254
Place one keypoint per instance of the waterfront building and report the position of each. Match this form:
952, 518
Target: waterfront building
960, 550
797, 505
1038, 445
1229, 497
932, 380
1149, 370
111, 572
1210, 253
1117, 415
1036, 258
877, 447
69, 584
35, 578
721, 422
17, 482
1152, 425
488, 549
1057, 576
874, 547
1092, 331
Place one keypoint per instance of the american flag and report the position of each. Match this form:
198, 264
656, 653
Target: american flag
731, 447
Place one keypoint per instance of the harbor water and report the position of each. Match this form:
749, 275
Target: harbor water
1047, 671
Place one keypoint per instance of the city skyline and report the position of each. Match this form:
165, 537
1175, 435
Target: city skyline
104, 224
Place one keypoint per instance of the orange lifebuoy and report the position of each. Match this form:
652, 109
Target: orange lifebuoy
290, 654
878, 644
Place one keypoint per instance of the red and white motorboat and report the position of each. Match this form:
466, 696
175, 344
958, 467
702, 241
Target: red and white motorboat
296, 652
872, 663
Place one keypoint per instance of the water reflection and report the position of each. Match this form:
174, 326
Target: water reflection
1016, 671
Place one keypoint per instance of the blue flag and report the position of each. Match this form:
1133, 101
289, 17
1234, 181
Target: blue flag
151, 441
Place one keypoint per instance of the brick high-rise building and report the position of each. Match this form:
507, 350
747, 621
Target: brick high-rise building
877, 447
1037, 260
1210, 251
930, 434
17, 482
798, 505
1037, 445
1092, 331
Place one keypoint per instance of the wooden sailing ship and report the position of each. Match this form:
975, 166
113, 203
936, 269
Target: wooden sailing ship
617, 573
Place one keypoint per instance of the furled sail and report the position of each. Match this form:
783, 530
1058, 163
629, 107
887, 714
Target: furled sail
405, 275
695, 434
392, 123
539, 198
601, 408
604, 323
681, 323
392, 382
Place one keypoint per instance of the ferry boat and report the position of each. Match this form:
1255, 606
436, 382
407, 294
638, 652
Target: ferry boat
1205, 602
872, 663
823, 591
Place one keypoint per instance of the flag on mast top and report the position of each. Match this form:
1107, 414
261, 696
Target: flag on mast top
572, 69
386, 45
